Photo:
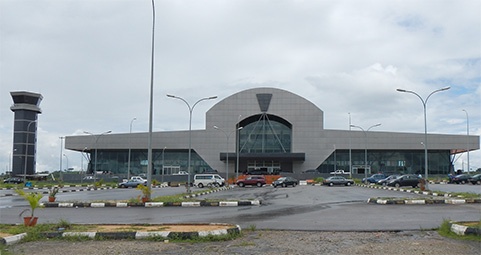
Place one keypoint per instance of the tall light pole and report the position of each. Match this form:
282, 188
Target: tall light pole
67, 160
96, 140
350, 145
424, 102
190, 129
237, 148
82, 164
130, 138
10, 159
151, 106
365, 145
61, 157
227, 136
467, 135
26, 153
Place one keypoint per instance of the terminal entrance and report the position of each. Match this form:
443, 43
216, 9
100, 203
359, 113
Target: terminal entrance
263, 167
361, 169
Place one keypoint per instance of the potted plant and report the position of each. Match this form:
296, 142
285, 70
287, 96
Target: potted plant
33, 198
146, 192
52, 193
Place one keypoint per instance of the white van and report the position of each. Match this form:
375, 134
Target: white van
203, 180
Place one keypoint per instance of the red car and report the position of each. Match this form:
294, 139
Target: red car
257, 180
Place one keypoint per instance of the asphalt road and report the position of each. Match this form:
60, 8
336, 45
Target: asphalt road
299, 208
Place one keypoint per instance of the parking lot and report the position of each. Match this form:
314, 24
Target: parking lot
336, 208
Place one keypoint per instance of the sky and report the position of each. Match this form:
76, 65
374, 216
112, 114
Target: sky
91, 62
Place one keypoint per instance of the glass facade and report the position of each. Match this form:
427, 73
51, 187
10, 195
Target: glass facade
172, 161
265, 133
389, 161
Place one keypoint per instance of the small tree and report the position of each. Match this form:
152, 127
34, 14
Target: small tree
33, 198
146, 191
53, 191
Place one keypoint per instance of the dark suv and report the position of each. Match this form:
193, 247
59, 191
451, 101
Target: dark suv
405, 180
257, 180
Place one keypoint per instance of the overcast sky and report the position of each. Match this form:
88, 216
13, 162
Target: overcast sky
90, 60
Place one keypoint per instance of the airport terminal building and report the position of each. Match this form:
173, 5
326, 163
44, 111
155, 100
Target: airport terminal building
272, 130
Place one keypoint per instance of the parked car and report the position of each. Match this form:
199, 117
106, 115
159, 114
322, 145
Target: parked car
384, 181
257, 180
461, 178
373, 178
339, 172
337, 180
475, 179
285, 181
405, 180
14, 180
131, 184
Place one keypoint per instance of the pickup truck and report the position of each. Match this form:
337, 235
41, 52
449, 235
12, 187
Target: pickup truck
339, 172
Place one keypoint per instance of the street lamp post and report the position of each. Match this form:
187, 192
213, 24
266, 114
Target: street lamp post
467, 135
96, 140
26, 153
10, 159
424, 102
150, 162
350, 145
365, 145
227, 136
191, 108
60, 156
82, 164
237, 148
130, 138
67, 161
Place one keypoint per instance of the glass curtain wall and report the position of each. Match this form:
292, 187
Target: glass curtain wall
173, 161
265, 133
401, 162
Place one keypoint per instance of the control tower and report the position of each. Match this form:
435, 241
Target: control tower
26, 109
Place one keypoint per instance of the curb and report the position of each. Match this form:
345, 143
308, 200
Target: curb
63, 190
426, 201
151, 204
462, 230
46, 190
165, 235
209, 192
157, 204
437, 198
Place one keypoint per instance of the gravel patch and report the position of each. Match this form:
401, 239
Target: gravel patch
269, 242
